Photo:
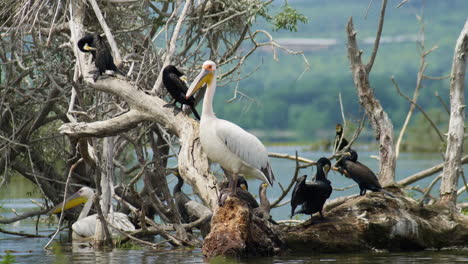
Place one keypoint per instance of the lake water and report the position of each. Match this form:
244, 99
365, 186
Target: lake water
18, 193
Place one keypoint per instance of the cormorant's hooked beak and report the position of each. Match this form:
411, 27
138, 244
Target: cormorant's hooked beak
88, 48
244, 187
326, 169
205, 76
72, 201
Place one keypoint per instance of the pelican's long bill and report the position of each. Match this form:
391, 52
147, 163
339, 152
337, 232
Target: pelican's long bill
72, 201
205, 76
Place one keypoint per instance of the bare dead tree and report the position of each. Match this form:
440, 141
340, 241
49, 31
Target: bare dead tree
453, 154
47, 87
378, 118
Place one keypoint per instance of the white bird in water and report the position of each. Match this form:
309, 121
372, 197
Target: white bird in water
234, 149
84, 228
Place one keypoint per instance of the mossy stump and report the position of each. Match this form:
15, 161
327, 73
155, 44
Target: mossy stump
378, 221
237, 232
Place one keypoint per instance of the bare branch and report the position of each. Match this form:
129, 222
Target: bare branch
110, 127
377, 37
442, 139
426, 173
378, 118
109, 36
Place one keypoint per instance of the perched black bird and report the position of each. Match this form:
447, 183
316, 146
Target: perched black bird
181, 199
242, 193
337, 146
312, 195
360, 173
102, 56
174, 81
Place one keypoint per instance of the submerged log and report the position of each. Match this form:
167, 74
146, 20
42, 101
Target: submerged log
378, 221
237, 232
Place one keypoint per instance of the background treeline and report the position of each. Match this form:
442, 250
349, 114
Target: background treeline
307, 108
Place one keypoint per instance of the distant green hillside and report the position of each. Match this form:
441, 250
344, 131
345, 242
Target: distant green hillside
309, 105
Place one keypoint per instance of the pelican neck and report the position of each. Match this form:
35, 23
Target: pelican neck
208, 100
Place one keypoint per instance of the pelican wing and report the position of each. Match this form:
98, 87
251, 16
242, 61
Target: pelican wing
246, 146
86, 227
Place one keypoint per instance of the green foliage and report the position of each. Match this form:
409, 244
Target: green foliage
288, 18
8, 258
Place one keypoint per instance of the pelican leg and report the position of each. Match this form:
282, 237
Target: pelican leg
231, 190
234, 185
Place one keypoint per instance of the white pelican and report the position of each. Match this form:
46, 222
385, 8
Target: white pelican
237, 151
84, 227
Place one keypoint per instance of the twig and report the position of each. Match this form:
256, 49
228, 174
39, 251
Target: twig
290, 157
367, 9
419, 108
109, 36
172, 45
72, 168
19, 234
419, 78
401, 3
426, 173
345, 188
23, 216
293, 181
290, 221
429, 188
442, 102
462, 174
377, 37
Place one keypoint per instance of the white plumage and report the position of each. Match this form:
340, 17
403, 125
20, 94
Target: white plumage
225, 143
84, 228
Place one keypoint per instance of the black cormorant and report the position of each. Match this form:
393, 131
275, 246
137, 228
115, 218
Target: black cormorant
242, 193
181, 199
312, 195
337, 146
102, 56
360, 173
174, 81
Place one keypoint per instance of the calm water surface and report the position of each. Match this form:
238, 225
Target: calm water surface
18, 194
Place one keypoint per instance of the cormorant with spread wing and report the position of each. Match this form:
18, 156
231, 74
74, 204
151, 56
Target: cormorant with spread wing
174, 80
96, 45
312, 196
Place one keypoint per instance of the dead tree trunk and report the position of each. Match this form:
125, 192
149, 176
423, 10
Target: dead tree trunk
453, 153
378, 117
